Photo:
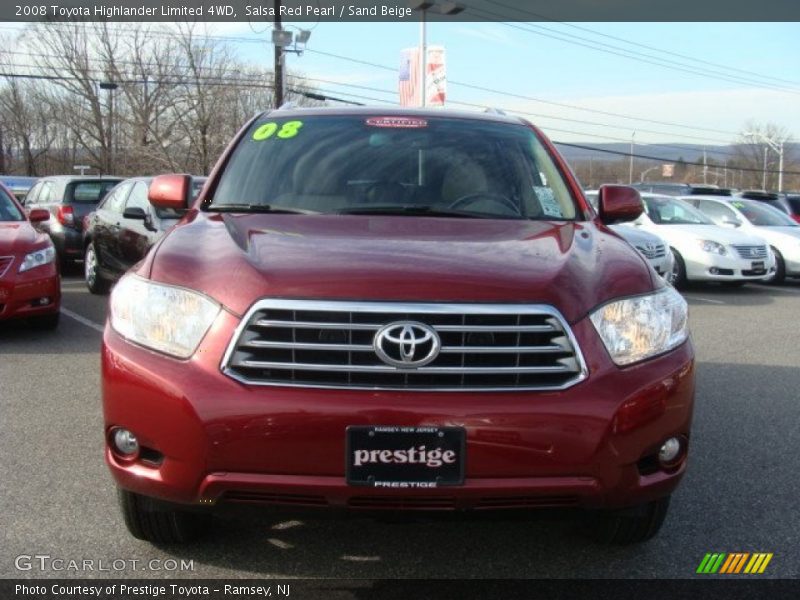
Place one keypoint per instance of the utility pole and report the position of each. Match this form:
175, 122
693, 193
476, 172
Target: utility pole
705, 167
423, 59
279, 58
764, 180
630, 170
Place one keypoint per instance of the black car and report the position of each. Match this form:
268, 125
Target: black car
68, 198
122, 230
786, 203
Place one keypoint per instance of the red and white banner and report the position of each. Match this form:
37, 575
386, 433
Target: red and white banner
409, 80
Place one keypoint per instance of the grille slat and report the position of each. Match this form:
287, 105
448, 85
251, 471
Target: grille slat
659, 251
320, 344
746, 251
387, 369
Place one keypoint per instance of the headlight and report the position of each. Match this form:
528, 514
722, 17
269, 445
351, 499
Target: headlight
38, 258
712, 247
634, 329
162, 317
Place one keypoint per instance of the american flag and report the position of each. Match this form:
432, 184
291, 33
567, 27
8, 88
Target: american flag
409, 77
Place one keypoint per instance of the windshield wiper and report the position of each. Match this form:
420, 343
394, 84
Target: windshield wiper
416, 211
259, 208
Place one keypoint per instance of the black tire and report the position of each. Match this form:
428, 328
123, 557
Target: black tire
46, 322
630, 525
780, 269
91, 274
678, 271
160, 523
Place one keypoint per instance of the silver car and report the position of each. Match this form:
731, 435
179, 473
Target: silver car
653, 248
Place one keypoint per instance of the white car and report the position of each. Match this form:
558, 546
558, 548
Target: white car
704, 251
655, 249
750, 216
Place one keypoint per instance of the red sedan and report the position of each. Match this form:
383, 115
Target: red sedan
30, 285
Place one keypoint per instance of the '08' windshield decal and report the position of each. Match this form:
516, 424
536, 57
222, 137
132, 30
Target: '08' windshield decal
284, 131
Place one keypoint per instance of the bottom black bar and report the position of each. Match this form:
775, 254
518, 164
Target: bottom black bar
399, 589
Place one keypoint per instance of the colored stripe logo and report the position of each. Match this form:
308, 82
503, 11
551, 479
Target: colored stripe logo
734, 563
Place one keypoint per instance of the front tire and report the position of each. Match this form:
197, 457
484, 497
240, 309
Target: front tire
780, 269
91, 272
631, 525
160, 523
678, 271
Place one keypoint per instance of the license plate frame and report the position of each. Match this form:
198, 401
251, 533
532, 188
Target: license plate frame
405, 475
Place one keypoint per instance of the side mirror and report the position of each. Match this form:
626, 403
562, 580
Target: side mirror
170, 191
37, 215
619, 204
134, 212
731, 223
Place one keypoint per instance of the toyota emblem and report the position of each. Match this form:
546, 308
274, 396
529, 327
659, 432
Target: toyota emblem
407, 344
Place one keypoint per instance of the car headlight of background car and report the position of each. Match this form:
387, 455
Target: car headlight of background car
634, 329
169, 319
38, 258
712, 247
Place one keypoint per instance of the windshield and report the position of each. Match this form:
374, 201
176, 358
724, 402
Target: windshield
664, 210
763, 215
9, 210
394, 165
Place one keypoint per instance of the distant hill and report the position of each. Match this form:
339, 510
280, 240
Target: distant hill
671, 152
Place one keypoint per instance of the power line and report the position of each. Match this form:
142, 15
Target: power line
531, 98
617, 51
540, 17
461, 84
250, 83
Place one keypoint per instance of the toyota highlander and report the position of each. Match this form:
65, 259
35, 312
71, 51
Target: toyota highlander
395, 310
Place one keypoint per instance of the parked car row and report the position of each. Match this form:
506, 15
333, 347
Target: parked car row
722, 238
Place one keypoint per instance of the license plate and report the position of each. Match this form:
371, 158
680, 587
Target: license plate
405, 457
757, 265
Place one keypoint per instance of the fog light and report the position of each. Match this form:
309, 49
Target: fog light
714, 271
125, 442
670, 452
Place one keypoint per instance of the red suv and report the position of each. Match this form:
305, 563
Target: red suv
384, 309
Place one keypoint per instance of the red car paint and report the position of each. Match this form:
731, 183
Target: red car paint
19, 292
222, 439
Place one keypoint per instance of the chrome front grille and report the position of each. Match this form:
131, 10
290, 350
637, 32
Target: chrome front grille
5, 262
307, 343
754, 252
658, 251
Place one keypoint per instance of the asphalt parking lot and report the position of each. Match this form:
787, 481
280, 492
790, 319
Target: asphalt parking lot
740, 493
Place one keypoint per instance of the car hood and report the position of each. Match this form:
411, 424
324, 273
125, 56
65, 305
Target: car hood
779, 235
238, 259
17, 237
637, 237
676, 234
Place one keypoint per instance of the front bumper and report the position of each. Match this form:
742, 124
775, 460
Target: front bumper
22, 294
218, 440
707, 266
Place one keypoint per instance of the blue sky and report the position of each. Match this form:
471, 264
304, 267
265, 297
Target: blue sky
506, 58
513, 60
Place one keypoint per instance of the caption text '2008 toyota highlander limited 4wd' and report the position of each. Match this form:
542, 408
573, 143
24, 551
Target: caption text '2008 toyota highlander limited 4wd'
395, 310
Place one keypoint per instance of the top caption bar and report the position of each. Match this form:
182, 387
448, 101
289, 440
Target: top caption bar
330, 11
